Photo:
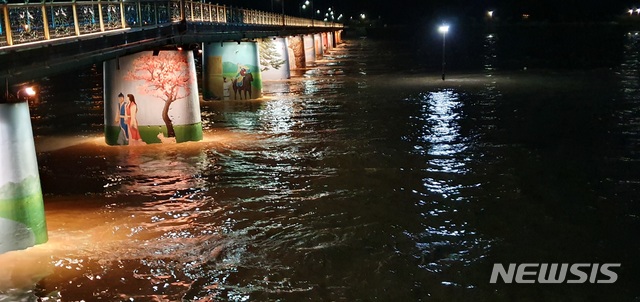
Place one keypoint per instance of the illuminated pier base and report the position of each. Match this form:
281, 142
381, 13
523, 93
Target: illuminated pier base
151, 98
22, 219
274, 59
338, 37
326, 44
231, 71
331, 40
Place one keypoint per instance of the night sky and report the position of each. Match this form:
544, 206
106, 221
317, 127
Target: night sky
408, 11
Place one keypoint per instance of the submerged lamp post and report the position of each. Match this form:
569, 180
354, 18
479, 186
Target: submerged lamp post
443, 29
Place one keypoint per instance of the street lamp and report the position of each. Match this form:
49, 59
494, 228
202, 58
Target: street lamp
304, 6
29, 91
23, 94
443, 29
490, 14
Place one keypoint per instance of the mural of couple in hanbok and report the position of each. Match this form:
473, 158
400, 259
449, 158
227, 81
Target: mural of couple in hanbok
126, 117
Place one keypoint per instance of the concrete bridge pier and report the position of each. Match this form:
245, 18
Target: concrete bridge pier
338, 37
328, 40
317, 42
22, 218
297, 57
152, 97
309, 48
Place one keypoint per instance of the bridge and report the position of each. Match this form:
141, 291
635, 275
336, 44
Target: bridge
40, 39
147, 49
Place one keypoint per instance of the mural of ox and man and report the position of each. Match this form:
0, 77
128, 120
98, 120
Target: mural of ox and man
151, 99
235, 71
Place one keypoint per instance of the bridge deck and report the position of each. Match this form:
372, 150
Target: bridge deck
37, 40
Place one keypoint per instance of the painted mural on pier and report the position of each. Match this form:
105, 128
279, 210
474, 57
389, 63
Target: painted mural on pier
296, 52
274, 59
22, 219
232, 71
151, 99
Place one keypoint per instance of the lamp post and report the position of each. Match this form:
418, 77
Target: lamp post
312, 15
284, 24
303, 7
443, 29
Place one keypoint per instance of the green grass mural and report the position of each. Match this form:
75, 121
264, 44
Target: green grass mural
149, 134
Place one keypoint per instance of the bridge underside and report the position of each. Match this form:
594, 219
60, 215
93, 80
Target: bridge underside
35, 60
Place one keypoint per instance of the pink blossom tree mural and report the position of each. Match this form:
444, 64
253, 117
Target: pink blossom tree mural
166, 77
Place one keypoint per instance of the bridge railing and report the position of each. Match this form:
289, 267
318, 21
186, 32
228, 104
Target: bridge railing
34, 22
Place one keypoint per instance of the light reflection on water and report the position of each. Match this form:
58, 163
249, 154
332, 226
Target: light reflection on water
351, 181
447, 239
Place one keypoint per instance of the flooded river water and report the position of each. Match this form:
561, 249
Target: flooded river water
360, 179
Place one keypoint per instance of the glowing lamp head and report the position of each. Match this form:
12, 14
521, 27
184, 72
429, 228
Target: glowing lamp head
443, 29
29, 91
